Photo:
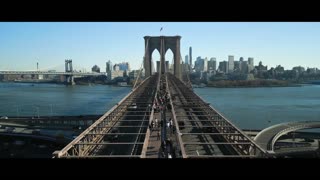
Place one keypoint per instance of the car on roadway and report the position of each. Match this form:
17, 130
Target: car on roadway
133, 106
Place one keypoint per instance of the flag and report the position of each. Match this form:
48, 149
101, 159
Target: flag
161, 28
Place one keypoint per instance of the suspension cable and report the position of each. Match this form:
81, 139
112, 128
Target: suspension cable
186, 72
145, 50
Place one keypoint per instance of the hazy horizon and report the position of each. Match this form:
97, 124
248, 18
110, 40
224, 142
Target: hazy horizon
23, 44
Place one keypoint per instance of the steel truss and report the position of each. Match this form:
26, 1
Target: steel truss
124, 125
202, 129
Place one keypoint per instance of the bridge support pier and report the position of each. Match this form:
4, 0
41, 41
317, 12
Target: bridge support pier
70, 80
177, 57
162, 55
68, 68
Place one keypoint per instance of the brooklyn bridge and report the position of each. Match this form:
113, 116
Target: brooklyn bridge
162, 118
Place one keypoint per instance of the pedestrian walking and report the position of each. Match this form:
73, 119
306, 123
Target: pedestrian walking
158, 135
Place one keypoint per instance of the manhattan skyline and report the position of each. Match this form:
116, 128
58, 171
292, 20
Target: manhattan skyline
23, 44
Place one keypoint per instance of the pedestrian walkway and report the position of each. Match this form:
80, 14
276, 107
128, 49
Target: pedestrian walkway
154, 140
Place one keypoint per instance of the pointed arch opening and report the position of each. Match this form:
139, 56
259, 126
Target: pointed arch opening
169, 60
155, 61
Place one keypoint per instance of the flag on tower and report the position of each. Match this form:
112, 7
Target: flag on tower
161, 28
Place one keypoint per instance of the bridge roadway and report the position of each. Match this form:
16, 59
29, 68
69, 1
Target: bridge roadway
52, 122
121, 131
268, 137
50, 73
204, 131
199, 130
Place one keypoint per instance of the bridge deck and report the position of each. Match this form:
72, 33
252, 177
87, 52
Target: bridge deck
118, 133
154, 140
198, 129
204, 131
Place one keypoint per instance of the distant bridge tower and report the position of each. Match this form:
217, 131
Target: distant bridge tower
162, 44
68, 68
68, 64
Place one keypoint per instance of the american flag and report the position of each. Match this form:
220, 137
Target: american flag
161, 28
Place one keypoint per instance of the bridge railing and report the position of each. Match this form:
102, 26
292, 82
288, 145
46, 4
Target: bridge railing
177, 130
295, 126
241, 142
51, 73
95, 132
148, 133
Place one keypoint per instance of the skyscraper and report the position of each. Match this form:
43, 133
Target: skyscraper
186, 61
244, 67
124, 66
240, 62
250, 64
250, 61
116, 67
198, 64
96, 69
212, 64
108, 66
190, 56
223, 66
230, 64
205, 64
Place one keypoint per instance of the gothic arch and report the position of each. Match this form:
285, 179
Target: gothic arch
162, 44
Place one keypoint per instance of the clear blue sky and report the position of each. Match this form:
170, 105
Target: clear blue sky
23, 44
